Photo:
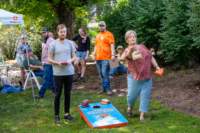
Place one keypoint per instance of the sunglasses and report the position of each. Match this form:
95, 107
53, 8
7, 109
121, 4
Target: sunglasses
101, 25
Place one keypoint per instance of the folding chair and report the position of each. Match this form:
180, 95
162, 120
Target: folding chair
31, 76
2, 62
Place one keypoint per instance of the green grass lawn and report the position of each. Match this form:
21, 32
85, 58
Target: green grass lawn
19, 114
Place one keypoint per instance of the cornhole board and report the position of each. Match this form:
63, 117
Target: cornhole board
107, 116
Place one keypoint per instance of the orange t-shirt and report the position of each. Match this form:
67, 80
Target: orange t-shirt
103, 45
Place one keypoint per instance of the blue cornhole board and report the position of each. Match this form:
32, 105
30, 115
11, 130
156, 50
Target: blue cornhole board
107, 116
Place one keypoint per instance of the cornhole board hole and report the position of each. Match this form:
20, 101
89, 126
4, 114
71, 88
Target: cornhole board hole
98, 115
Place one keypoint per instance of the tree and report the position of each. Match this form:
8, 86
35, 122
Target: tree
65, 12
175, 40
147, 23
116, 21
194, 25
142, 16
55, 11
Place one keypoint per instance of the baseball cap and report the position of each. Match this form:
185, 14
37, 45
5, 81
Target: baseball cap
120, 47
44, 29
102, 23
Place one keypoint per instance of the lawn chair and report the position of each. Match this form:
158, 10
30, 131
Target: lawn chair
2, 62
31, 76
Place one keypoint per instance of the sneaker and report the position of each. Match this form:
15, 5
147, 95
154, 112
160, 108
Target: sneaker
78, 75
82, 79
129, 112
57, 120
68, 117
39, 97
110, 77
109, 93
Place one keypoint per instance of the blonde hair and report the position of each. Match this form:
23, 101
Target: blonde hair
128, 33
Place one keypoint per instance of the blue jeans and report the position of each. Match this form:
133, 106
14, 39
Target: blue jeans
38, 73
140, 88
119, 69
103, 67
47, 79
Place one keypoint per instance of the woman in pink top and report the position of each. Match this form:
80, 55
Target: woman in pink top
139, 77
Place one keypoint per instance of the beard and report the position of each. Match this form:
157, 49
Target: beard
102, 30
62, 37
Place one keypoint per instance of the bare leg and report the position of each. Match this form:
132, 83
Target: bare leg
78, 68
141, 116
83, 68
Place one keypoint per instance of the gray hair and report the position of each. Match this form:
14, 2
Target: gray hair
128, 33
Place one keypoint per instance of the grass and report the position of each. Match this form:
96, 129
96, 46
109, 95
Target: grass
19, 114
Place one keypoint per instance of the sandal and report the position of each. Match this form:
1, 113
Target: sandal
129, 112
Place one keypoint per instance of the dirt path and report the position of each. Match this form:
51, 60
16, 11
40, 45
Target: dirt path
178, 90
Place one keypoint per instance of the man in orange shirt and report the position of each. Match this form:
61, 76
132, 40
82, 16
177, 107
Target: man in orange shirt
104, 51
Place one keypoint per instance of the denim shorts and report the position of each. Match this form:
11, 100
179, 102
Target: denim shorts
81, 54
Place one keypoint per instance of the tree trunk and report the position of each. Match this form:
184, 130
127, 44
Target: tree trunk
66, 16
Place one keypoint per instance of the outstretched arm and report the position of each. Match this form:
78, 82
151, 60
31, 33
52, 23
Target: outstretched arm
154, 63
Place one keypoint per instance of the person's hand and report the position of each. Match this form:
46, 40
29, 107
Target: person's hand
62, 63
129, 51
41, 67
30, 65
157, 67
93, 56
66, 62
113, 57
86, 57
159, 72
76, 61
59, 63
136, 55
